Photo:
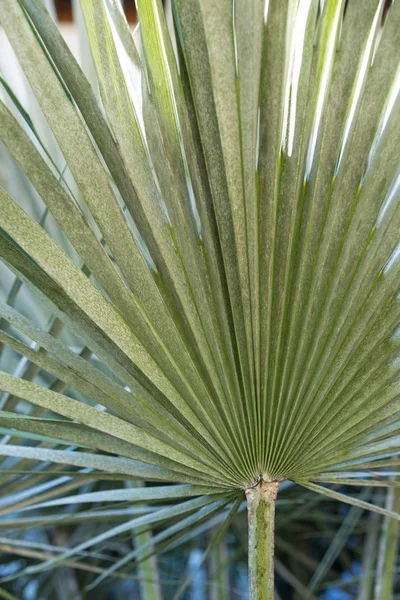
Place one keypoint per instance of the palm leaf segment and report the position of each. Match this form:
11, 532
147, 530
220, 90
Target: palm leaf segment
234, 218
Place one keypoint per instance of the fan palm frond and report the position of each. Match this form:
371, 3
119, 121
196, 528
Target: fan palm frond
223, 308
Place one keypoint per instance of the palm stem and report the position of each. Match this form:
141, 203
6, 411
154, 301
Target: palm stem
261, 515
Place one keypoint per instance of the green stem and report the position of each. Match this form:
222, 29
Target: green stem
219, 567
261, 515
388, 548
150, 588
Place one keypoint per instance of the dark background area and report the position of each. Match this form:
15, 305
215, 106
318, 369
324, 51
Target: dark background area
64, 10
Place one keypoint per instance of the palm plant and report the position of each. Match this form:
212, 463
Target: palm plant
224, 316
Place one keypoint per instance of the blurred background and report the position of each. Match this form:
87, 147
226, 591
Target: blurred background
64, 11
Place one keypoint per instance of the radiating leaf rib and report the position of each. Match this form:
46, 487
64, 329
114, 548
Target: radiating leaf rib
135, 178
96, 191
223, 74
123, 118
380, 286
354, 304
86, 101
319, 181
140, 406
376, 345
191, 30
212, 249
110, 464
101, 515
359, 412
90, 381
28, 120
211, 305
64, 210
41, 492
89, 107
168, 127
369, 483
158, 493
75, 433
17, 223
81, 326
249, 42
83, 476
67, 376
70, 133
96, 419
353, 418
300, 77
373, 406
272, 93
348, 180
350, 500
79, 288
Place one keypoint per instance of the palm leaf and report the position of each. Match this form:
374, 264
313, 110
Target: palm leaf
231, 205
